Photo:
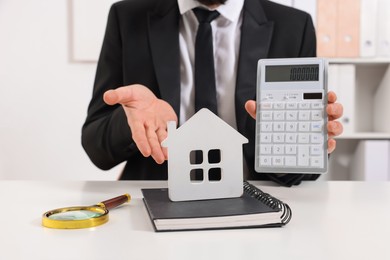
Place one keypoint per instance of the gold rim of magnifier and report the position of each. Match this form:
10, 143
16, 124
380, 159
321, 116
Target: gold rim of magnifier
74, 224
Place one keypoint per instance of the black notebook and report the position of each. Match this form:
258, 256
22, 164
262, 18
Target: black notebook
254, 209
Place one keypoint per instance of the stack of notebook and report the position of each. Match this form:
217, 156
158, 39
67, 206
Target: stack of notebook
254, 209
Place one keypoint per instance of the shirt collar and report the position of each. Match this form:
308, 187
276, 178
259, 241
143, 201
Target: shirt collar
230, 10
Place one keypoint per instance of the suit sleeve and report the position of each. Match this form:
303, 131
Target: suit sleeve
106, 136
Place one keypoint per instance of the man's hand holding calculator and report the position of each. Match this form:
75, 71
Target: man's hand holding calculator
292, 115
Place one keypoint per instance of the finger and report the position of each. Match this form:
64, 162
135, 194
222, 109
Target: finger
335, 128
250, 107
334, 110
110, 97
162, 135
156, 151
332, 97
331, 145
140, 138
122, 95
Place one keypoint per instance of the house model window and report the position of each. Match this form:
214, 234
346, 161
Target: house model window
210, 160
204, 159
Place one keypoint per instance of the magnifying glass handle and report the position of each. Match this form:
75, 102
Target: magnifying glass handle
115, 202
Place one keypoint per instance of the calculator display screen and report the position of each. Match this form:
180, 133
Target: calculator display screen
283, 73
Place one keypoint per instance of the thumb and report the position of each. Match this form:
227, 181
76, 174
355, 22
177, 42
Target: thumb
111, 97
250, 107
120, 95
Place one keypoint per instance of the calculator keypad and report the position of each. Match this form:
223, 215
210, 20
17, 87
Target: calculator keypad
290, 134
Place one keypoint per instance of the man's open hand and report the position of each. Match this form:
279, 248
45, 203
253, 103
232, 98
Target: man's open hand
147, 117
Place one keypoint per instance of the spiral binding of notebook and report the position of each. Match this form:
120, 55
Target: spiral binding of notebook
270, 201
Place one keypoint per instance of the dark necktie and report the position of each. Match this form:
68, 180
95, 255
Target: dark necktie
205, 91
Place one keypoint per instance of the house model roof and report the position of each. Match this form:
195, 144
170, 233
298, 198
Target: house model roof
206, 126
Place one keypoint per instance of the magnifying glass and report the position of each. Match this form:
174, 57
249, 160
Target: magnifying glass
82, 216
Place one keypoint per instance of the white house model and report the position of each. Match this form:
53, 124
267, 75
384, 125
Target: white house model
205, 159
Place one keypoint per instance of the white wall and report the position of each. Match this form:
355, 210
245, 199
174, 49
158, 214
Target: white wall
43, 96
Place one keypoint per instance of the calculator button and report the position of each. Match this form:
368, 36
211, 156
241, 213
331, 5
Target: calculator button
266, 105
316, 115
291, 149
316, 105
292, 115
279, 105
265, 138
266, 115
316, 150
290, 161
316, 139
278, 138
279, 115
303, 138
265, 160
277, 161
265, 149
303, 126
303, 155
291, 105
291, 138
304, 105
304, 115
316, 126
317, 161
266, 126
278, 149
291, 126
279, 126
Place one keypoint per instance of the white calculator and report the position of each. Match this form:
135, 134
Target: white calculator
291, 132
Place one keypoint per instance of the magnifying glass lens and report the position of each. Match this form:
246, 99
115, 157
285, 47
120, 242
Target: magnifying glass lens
82, 217
75, 215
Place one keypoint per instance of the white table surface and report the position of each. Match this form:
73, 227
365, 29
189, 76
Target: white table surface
331, 220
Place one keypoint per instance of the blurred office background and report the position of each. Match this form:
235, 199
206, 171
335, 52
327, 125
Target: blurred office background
44, 93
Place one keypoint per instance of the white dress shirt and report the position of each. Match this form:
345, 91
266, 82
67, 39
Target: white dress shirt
226, 35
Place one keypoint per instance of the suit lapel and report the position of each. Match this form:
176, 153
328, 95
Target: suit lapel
256, 33
164, 44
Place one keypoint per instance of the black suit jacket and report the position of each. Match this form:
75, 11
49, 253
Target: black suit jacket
141, 46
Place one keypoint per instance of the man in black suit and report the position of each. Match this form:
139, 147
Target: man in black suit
147, 57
